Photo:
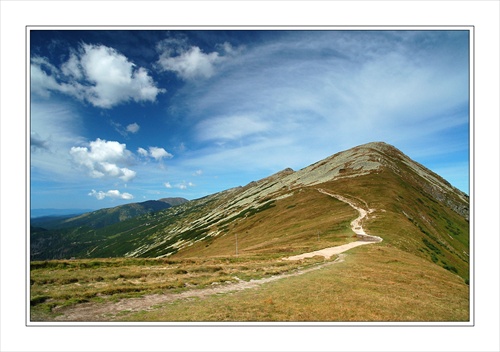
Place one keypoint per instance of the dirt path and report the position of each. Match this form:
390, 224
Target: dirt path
110, 311
95, 312
363, 237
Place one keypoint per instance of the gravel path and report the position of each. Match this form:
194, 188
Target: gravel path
363, 237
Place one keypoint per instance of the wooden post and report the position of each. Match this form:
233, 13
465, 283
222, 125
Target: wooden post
236, 244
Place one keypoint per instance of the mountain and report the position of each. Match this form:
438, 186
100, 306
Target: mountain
37, 213
414, 211
108, 216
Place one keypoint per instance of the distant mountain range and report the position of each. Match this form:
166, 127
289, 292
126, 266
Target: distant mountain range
37, 213
103, 217
412, 208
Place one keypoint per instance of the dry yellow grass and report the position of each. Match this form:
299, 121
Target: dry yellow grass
304, 222
374, 284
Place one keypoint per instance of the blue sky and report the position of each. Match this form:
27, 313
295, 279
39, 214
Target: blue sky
126, 116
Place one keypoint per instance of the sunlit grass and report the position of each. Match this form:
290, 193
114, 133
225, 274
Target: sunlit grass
374, 284
67, 282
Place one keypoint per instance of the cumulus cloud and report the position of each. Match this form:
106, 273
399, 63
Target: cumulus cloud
159, 153
190, 62
104, 159
156, 153
142, 152
110, 194
167, 185
133, 128
97, 74
184, 185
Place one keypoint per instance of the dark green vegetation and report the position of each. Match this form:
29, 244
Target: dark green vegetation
423, 259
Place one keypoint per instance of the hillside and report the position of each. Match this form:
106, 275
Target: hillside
244, 254
415, 211
105, 217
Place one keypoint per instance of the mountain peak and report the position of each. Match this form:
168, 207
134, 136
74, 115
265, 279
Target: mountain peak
374, 173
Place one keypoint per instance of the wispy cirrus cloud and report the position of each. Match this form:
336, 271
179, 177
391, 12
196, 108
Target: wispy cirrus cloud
231, 127
96, 74
55, 128
330, 91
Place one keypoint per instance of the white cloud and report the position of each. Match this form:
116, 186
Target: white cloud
181, 185
345, 89
156, 153
133, 128
198, 173
111, 194
231, 127
142, 152
184, 185
124, 131
72, 67
191, 62
159, 153
55, 128
97, 74
41, 82
102, 159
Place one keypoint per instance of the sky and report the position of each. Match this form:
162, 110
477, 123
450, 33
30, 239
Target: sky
120, 116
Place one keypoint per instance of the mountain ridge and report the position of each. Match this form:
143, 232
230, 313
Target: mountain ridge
108, 216
415, 210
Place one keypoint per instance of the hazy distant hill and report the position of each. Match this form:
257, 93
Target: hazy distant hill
36, 213
414, 210
108, 216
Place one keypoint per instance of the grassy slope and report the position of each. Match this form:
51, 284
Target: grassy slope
291, 225
405, 217
374, 283
418, 273
411, 220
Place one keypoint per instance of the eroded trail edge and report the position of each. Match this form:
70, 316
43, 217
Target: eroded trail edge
363, 237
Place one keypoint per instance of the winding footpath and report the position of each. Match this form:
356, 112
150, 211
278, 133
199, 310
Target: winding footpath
363, 237
92, 311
